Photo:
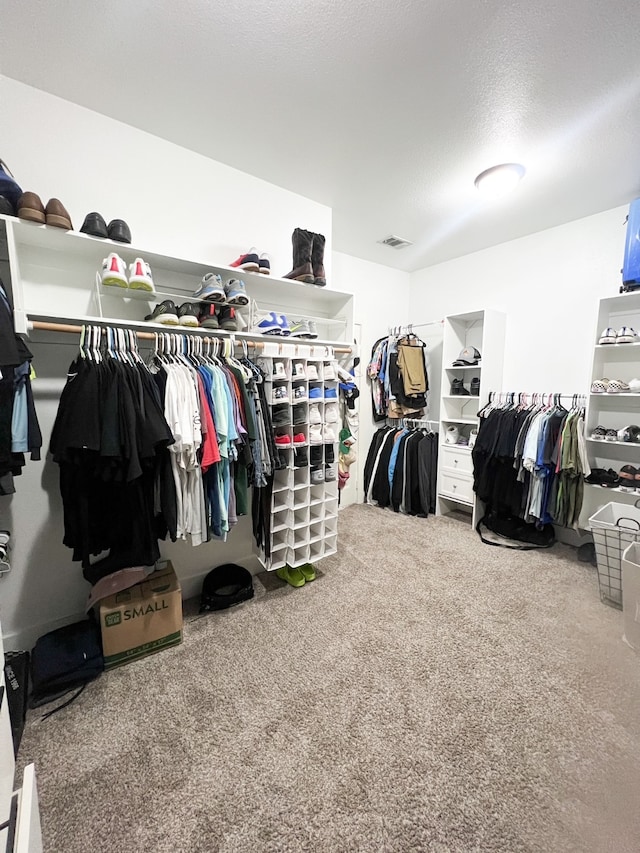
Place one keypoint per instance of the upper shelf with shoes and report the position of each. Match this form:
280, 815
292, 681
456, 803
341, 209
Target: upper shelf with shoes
54, 271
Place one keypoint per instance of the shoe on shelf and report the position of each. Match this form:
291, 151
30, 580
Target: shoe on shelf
313, 331
317, 475
165, 312
329, 434
281, 415
608, 336
605, 477
118, 230
458, 389
300, 393
293, 577
56, 215
278, 370
317, 455
299, 328
300, 458
331, 413
308, 571
634, 386
302, 242
285, 331
188, 314
475, 387
627, 477
95, 226
599, 386
315, 393
328, 371
626, 335
611, 435
269, 324
282, 461
317, 260
629, 434
207, 316
329, 454
299, 412
227, 318
211, 289
283, 440
617, 386
140, 277
299, 438
315, 434
264, 264
6, 206
114, 271
330, 473
314, 414
279, 394
236, 292
312, 372
330, 394
298, 370
249, 261
599, 433
31, 208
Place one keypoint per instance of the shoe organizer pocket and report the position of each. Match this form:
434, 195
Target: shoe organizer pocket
331, 527
316, 531
300, 478
299, 556
331, 507
281, 501
317, 512
330, 545
301, 517
282, 480
278, 561
316, 551
282, 520
301, 498
316, 494
281, 540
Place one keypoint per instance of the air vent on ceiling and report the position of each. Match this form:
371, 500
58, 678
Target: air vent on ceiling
395, 242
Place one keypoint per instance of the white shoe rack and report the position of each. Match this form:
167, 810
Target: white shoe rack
304, 510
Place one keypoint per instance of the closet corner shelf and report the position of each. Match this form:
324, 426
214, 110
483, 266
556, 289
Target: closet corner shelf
606, 396
466, 397
472, 421
605, 443
616, 347
466, 367
614, 489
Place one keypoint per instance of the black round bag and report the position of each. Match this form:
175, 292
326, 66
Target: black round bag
225, 586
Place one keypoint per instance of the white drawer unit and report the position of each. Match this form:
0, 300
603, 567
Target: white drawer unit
456, 459
456, 486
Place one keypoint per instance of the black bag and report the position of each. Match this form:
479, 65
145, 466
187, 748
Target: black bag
9, 186
16, 679
63, 660
518, 531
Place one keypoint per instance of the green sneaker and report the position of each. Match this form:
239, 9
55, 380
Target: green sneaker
308, 572
291, 576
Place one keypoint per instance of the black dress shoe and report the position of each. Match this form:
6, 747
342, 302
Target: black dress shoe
94, 225
119, 230
6, 208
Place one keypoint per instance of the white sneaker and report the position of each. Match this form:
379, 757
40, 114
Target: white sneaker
140, 277
315, 434
314, 414
278, 370
298, 370
331, 413
328, 370
626, 335
330, 436
634, 386
114, 271
608, 336
312, 372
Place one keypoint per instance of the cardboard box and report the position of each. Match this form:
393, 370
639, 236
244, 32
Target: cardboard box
143, 619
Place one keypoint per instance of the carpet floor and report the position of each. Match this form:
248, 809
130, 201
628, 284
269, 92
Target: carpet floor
426, 692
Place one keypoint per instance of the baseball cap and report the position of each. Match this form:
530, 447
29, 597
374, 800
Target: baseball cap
225, 586
469, 355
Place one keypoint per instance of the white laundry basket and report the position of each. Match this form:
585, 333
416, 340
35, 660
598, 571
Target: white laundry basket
613, 527
631, 594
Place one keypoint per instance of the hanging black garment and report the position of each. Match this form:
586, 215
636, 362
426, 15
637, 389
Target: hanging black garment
380, 490
397, 487
374, 447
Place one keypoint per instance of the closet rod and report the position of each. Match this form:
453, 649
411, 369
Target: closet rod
150, 336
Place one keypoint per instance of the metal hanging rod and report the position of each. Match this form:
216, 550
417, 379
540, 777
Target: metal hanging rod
407, 328
544, 397
69, 328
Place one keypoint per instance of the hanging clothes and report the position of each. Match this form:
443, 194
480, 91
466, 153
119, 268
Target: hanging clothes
530, 461
399, 377
401, 470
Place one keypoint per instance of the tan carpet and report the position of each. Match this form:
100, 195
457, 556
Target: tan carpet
426, 693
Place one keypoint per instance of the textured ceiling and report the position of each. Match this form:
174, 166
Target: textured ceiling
384, 111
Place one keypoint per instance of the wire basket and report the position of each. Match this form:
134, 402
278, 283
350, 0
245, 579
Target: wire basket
614, 527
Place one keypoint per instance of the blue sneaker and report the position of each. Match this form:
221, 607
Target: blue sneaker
315, 393
211, 289
330, 394
269, 324
236, 292
285, 331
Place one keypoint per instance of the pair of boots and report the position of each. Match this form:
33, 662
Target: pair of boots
308, 258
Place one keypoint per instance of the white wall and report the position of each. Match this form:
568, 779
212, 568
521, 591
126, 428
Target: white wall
548, 284
176, 202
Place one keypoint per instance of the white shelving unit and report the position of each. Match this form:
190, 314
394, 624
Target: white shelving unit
484, 330
612, 411
304, 515
54, 272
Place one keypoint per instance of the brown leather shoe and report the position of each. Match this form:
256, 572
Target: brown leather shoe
30, 207
57, 214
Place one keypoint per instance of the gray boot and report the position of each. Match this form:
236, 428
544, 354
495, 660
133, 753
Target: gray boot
302, 270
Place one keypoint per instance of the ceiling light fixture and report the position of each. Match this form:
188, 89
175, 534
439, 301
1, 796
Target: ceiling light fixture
499, 180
